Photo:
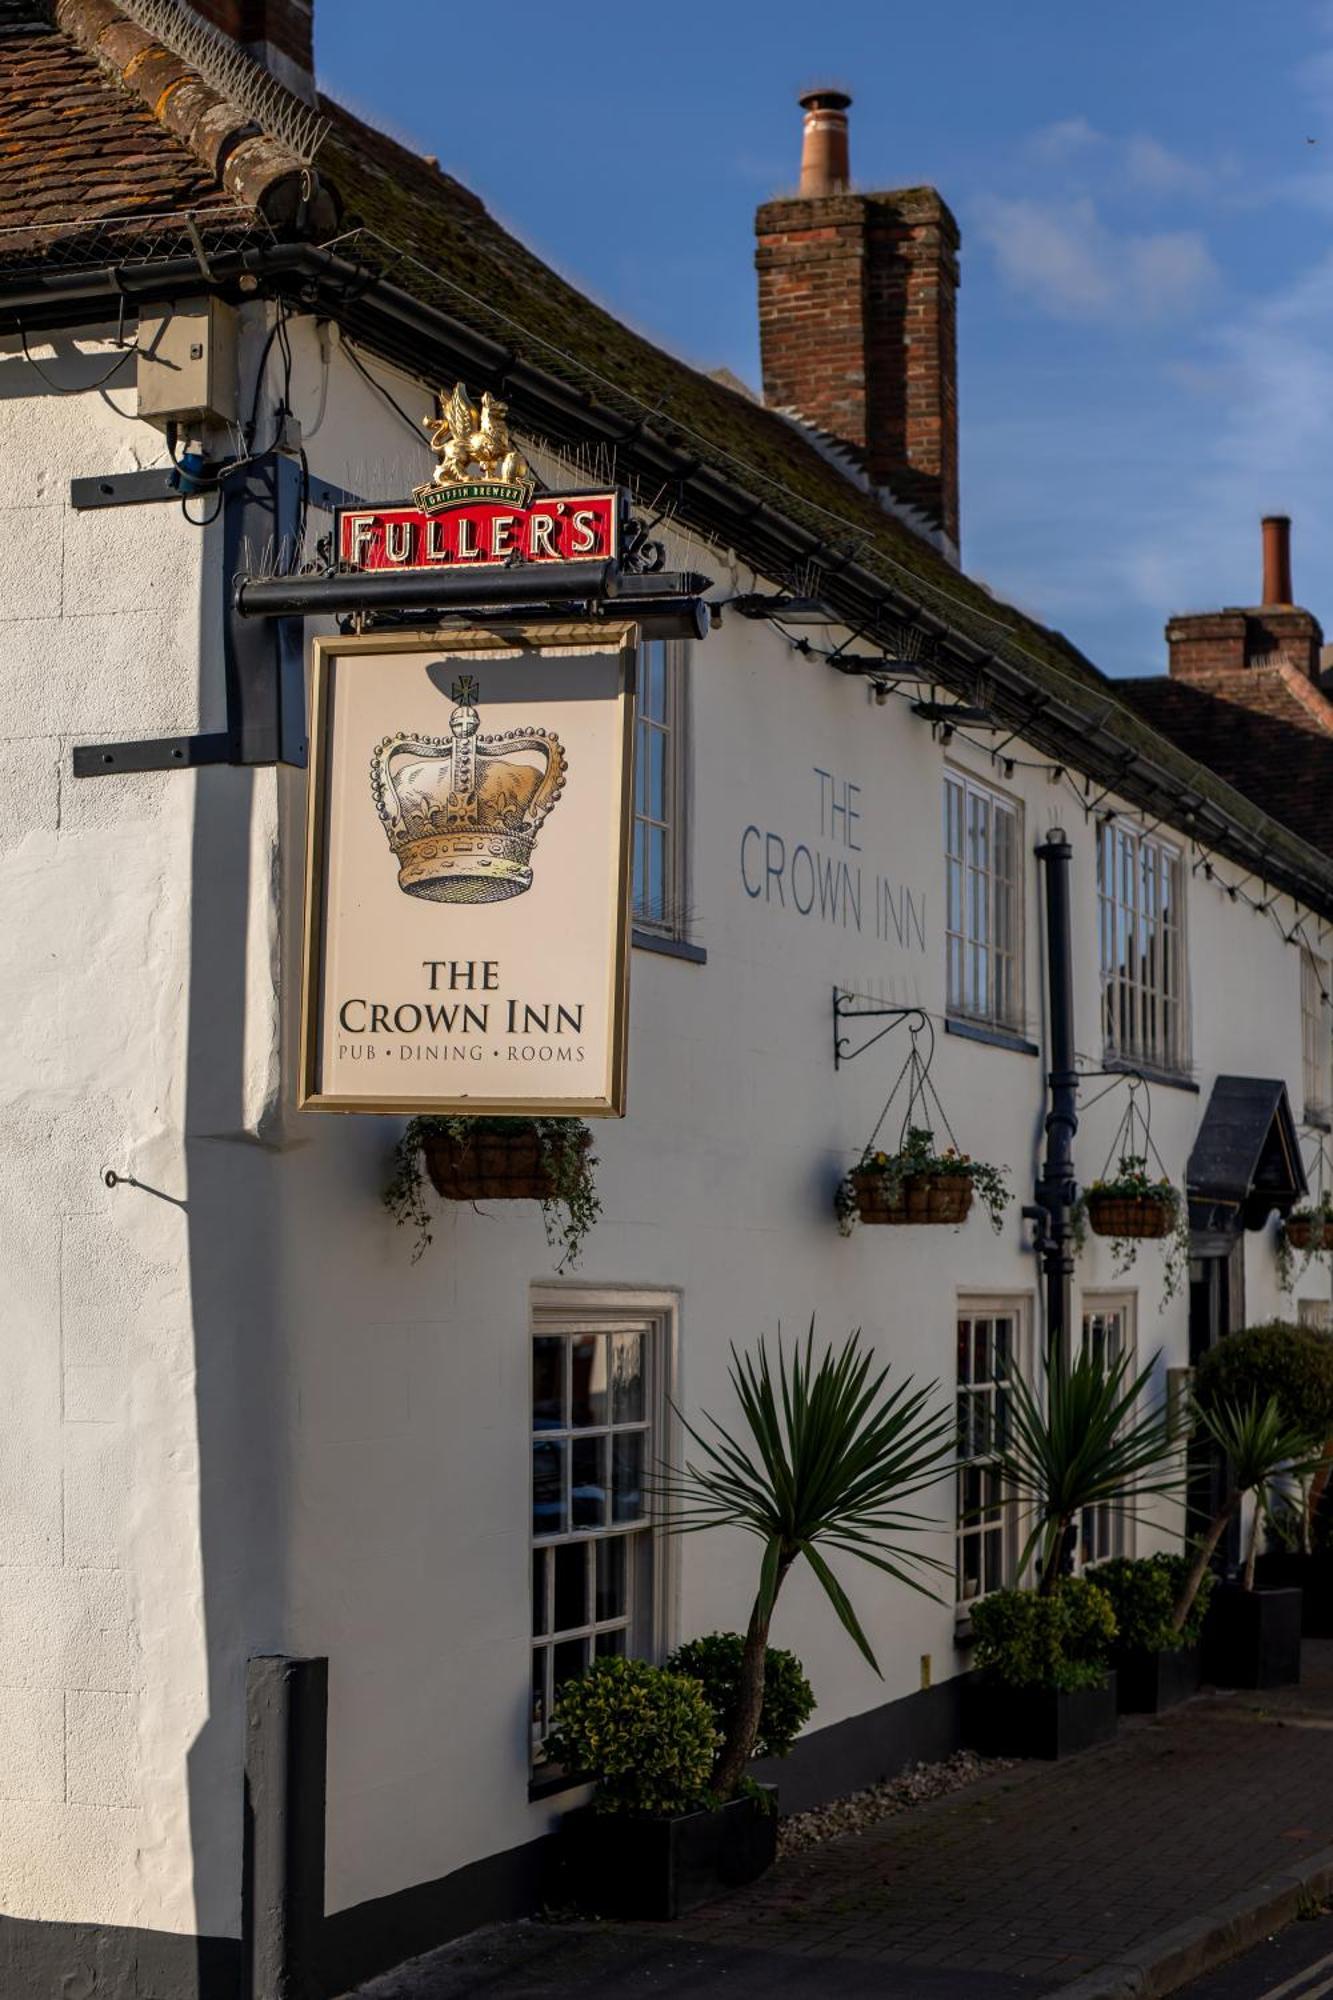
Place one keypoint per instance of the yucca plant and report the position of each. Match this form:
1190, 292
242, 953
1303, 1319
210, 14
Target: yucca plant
1089, 1442
828, 1456
1259, 1442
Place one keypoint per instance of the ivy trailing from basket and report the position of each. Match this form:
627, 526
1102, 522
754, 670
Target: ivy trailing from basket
1305, 1234
564, 1182
917, 1161
1160, 1213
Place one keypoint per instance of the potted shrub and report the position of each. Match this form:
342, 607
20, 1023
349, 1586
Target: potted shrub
1131, 1207
549, 1160
917, 1184
1294, 1364
1251, 1637
831, 1458
655, 1840
1044, 1685
789, 1701
1156, 1665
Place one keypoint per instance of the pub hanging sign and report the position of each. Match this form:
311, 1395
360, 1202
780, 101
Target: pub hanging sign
480, 509
468, 859
467, 932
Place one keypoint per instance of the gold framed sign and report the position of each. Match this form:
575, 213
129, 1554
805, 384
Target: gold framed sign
467, 875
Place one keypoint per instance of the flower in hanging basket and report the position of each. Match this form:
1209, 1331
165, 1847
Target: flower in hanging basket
1306, 1233
1131, 1207
549, 1160
918, 1185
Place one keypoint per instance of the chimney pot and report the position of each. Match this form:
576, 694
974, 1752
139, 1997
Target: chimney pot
1277, 559
825, 157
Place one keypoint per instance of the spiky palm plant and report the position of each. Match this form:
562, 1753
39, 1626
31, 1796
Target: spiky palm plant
828, 1457
1258, 1443
1091, 1441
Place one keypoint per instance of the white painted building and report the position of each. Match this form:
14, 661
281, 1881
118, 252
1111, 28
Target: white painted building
238, 1420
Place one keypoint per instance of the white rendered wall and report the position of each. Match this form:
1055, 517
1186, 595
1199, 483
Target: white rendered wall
254, 1424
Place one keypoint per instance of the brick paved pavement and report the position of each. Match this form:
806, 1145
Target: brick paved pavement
1006, 1890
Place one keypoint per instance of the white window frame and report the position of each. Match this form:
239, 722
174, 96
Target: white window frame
1316, 1039
649, 1620
983, 968
668, 721
1105, 1532
1144, 961
1005, 1519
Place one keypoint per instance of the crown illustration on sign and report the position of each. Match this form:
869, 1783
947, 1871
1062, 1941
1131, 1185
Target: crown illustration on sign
463, 811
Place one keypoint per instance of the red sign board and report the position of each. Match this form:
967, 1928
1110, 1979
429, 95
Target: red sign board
481, 532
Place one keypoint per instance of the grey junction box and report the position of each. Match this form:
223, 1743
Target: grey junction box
187, 363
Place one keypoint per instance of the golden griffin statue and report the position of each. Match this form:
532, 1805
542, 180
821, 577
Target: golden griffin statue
471, 443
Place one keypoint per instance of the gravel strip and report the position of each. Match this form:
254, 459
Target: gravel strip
860, 1810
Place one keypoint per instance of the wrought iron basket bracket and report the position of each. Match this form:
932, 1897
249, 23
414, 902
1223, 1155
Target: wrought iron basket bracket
847, 1008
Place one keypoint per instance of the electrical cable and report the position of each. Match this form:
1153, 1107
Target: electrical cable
80, 388
380, 390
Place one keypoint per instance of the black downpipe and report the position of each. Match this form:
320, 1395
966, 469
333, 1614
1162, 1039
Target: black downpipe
1056, 1190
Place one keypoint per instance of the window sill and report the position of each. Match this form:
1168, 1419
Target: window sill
551, 1787
1170, 1079
993, 1037
1317, 1121
669, 947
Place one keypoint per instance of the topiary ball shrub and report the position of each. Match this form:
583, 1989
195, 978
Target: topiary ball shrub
1143, 1591
789, 1700
642, 1734
1293, 1363
1061, 1642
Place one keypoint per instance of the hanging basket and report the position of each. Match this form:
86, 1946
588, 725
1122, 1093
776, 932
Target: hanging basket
1309, 1233
493, 1165
1142, 1215
920, 1198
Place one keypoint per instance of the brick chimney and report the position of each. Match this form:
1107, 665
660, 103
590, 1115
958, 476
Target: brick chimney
857, 318
279, 34
1207, 645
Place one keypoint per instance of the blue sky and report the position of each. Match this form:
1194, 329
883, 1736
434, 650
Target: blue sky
1146, 316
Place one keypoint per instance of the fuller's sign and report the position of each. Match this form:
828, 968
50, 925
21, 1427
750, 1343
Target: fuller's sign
467, 935
480, 531
479, 508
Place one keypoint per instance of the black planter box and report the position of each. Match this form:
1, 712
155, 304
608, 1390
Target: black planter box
1000, 1721
1313, 1577
1146, 1683
613, 1865
1252, 1638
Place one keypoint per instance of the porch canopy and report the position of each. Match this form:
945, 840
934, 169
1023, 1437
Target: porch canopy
1246, 1160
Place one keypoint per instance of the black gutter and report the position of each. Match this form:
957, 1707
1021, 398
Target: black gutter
1056, 1191
424, 339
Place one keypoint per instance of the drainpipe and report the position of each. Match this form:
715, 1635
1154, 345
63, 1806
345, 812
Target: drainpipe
1056, 1190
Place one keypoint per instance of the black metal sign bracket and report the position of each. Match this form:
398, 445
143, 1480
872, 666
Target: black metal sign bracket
846, 1007
263, 668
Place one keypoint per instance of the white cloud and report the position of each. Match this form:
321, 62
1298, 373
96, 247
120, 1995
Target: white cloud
1157, 170
1063, 257
1065, 140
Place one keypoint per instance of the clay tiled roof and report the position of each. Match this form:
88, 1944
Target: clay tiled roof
1267, 730
77, 150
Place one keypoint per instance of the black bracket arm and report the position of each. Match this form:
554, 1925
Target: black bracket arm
847, 1008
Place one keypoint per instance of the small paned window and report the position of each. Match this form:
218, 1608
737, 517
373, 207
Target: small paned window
660, 884
1316, 1038
986, 1541
594, 1399
1141, 910
1108, 1334
983, 850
